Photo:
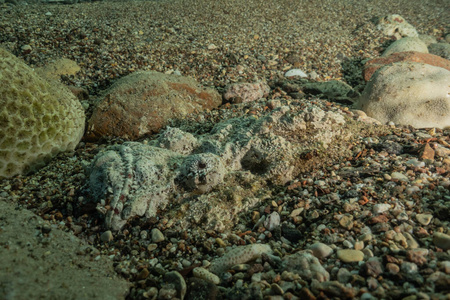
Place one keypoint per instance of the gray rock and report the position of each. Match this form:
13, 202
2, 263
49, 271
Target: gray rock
306, 265
409, 267
440, 49
441, 240
176, 280
107, 236
330, 89
373, 267
321, 250
157, 235
344, 275
246, 92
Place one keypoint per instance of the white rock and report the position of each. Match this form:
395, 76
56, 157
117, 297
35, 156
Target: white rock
212, 47
408, 93
415, 163
272, 221
396, 25
295, 72
381, 208
406, 44
313, 75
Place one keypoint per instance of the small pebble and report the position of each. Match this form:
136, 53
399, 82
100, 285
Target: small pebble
399, 176
424, 219
441, 240
321, 250
350, 255
157, 235
106, 236
346, 222
381, 208
272, 221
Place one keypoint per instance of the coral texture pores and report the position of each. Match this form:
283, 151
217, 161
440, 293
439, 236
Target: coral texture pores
38, 119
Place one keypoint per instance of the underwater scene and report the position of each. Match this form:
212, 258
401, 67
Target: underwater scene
227, 149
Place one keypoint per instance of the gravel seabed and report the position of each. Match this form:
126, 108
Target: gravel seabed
384, 200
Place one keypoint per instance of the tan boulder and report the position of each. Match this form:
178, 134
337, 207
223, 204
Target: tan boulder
408, 93
141, 103
374, 64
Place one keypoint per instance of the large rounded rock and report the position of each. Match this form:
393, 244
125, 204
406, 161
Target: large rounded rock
374, 64
38, 118
142, 103
406, 44
408, 93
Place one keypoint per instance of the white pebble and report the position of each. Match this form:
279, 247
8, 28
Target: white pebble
381, 208
272, 221
295, 72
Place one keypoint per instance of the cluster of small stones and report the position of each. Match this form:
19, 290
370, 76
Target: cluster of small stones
109, 44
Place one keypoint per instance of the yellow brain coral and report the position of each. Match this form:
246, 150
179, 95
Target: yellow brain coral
38, 119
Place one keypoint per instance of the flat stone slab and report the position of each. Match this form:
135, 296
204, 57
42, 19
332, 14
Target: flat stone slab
40, 261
